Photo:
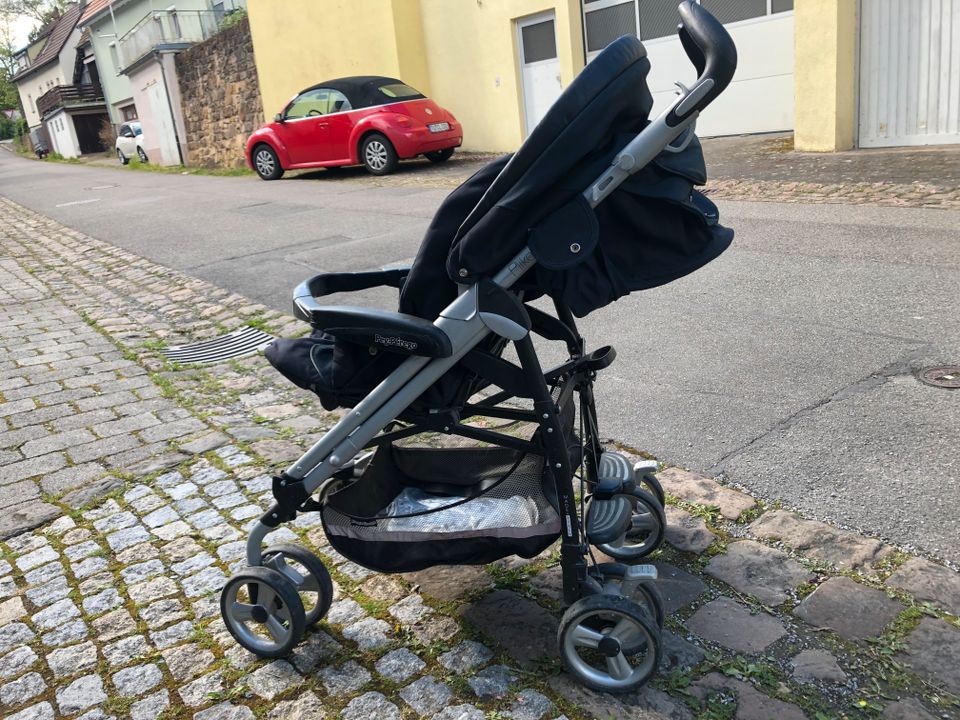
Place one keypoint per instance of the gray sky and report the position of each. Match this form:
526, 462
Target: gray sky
21, 27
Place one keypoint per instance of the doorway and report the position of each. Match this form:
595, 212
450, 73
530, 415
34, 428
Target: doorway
539, 66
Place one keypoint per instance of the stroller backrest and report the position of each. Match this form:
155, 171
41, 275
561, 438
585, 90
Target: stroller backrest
609, 97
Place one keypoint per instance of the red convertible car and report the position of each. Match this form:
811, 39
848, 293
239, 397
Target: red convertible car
371, 120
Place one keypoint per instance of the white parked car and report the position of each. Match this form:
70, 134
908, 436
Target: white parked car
130, 143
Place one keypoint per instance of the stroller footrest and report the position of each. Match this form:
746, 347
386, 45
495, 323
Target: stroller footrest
608, 520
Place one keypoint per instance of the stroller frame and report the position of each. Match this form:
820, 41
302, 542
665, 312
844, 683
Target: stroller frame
489, 307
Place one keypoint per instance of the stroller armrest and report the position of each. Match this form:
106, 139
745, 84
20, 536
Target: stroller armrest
329, 283
396, 332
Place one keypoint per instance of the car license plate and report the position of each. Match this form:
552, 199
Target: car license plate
438, 127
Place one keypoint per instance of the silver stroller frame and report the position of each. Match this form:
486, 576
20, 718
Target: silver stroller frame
466, 323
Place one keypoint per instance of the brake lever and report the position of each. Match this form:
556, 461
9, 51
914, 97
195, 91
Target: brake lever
687, 138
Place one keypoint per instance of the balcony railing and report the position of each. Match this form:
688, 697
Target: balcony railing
161, 27
67, 95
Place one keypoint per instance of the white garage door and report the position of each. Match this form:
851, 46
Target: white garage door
760, 98
909, 72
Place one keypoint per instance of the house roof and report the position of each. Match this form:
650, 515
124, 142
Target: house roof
94, 7
55, 42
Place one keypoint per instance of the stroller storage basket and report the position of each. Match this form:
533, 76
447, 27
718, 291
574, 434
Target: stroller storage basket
403, 515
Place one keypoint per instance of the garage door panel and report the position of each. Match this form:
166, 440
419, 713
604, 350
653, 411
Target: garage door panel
738, 111
760, 98
909, 76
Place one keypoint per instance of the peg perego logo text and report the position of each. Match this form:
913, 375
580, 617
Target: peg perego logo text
393, 341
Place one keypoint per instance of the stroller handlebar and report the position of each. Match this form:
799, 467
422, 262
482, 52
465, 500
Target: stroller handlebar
712, 52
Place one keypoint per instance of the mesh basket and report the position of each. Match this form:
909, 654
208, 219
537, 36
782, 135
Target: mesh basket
417, 506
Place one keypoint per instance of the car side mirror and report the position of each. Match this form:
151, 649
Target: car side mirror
278, 118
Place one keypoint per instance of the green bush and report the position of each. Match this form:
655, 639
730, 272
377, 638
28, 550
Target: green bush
8, 128
234, 18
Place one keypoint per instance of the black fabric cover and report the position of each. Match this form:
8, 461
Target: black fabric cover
339, 372
609, 97
364, 90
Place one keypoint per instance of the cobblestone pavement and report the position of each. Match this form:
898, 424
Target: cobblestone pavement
109, 597
760, 167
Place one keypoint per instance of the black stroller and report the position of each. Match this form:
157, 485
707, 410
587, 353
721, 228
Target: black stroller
522, 228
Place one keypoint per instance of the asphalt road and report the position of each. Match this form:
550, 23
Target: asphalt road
787, 364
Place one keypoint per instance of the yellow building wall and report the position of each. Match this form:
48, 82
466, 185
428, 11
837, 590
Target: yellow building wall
298, 43
462, 53
825, 40
474, 62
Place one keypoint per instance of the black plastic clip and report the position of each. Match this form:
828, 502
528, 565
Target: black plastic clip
291, 497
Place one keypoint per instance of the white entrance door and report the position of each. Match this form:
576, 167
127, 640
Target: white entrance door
909, 73
162, 121
539, 66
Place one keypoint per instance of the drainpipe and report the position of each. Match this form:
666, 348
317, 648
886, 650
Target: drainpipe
166, 89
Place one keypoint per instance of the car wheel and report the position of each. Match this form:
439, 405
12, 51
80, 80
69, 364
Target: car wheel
378, 155
142, 155
439, 156
121, 157
266, 163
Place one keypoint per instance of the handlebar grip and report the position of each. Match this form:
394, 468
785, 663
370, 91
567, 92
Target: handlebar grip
713, 53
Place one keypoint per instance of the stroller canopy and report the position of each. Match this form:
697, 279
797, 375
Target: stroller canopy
653, 229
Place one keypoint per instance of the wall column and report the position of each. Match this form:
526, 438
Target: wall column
825, 74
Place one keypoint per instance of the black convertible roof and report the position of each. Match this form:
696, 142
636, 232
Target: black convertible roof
363, 90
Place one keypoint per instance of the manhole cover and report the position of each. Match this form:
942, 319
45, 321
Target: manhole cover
947, 376
239, 343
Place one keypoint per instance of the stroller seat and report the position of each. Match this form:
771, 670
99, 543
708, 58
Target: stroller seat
599, 201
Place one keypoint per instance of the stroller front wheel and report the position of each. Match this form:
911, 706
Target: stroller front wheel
263, 612
609, 643
308, 575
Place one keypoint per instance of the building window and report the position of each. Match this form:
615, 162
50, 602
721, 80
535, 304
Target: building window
539, 42
606, 20
730, 11
128, 113
115, 57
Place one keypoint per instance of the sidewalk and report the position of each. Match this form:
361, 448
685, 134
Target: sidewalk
147, 475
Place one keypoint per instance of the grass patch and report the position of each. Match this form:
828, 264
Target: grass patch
136, 165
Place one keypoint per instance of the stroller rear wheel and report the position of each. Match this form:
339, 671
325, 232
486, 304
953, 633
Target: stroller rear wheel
609, 643
308, 575
263, 611
646, 532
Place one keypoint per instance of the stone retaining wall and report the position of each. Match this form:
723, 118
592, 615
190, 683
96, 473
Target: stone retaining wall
221, 97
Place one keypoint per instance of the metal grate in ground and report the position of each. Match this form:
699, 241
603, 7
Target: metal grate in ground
239, 343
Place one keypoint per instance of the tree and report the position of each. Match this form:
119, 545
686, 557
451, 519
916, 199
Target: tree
9, 97
40, 10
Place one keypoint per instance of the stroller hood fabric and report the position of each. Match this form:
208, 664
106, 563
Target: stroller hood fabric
654, 229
